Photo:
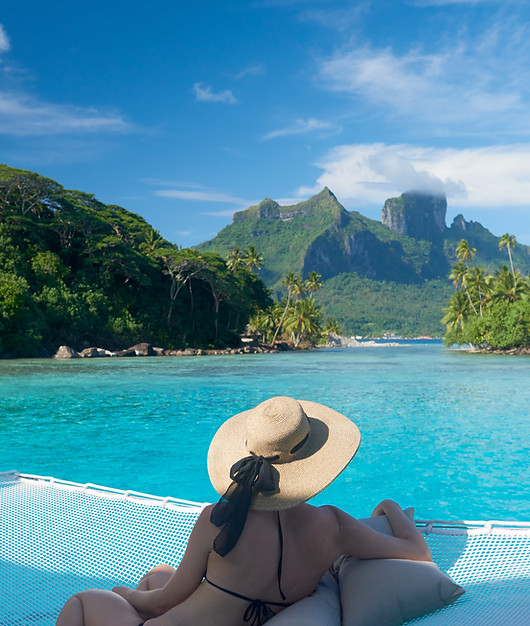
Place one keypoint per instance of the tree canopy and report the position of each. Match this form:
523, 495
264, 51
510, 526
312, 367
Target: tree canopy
488, 310
76, 271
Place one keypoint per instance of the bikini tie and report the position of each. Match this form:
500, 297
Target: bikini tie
252, 474
257, 611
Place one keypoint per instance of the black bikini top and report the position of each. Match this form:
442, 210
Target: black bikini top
258, 610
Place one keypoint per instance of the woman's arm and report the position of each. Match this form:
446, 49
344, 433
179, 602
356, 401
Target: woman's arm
357, 539
185, 579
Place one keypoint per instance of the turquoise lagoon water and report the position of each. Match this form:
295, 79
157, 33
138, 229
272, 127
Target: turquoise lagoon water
443, 430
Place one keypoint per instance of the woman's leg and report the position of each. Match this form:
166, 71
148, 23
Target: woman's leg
72, 613
98, 608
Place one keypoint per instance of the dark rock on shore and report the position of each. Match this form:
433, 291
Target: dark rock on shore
91, 353
523, 350
65, 352
147, 349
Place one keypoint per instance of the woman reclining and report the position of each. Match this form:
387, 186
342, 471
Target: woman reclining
261, 547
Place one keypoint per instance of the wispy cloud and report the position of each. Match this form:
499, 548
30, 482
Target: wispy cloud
494, 176
428, 3
204, 93
337, 18
251, 70
473, 85
22, 115
4, 40
301, 127
202, 196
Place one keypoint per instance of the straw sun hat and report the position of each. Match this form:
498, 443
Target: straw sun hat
307, 444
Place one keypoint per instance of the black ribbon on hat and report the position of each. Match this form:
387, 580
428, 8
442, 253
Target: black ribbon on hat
252, 474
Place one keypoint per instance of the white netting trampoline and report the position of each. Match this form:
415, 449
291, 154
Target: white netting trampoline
58, 538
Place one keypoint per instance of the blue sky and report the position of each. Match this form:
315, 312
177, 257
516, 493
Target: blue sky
186, 112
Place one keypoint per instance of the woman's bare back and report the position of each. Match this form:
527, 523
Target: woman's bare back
251, 569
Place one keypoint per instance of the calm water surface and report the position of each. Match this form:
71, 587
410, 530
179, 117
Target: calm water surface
445, 431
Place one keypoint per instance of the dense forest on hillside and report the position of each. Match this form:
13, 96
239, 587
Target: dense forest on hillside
78, 272
371, 308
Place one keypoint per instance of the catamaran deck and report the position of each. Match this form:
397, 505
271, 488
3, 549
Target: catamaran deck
59, 537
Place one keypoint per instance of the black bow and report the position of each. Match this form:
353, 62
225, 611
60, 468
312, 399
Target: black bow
252, 474
258, 612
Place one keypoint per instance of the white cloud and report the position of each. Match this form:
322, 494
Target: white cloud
4, 40
474, 86
21, 115
202, 196
227, 213
204, 93
290, 201
367, 174
302, 126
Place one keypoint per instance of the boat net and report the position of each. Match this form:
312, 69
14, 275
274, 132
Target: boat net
58, 538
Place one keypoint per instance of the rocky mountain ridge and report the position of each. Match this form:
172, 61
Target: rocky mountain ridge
411, 243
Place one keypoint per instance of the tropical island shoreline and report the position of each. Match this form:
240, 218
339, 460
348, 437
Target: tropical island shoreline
249, 346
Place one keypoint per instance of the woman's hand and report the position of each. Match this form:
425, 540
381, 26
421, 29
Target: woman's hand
145, 602
124, 592
382, 507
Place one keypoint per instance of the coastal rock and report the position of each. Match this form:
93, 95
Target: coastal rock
65, 352
92, 353
140, 349
339, 341
127, 352
144, 349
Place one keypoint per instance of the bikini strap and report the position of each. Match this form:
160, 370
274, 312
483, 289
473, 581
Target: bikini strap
280, 533
241, 596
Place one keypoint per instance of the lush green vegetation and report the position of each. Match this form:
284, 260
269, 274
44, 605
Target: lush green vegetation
297, 318
371, 308
375, 280
489, 310
78, 272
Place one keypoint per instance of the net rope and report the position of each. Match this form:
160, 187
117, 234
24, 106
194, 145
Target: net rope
59, 537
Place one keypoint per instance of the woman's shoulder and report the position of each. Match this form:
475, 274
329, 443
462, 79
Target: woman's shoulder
321, 516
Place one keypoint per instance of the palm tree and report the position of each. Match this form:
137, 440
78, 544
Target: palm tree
313, 282
252, 258
263, 323
508, 241
298, 288
459, 276
304, 320
507, 286
152, 242
234, 259
289, 281
464, 252
456, 312
478, 284
331, 326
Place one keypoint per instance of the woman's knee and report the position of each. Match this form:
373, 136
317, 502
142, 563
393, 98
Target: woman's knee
71, 613
156, 577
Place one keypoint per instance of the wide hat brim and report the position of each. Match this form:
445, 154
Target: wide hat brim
333, 441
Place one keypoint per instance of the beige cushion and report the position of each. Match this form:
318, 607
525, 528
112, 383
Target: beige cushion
321, 608
392, 591
388, 592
